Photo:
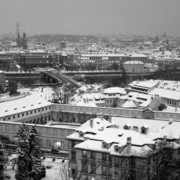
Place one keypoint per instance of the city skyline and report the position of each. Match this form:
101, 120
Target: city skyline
141, 17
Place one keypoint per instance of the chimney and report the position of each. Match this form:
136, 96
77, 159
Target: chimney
100, 115
101, 129
170, 121
91, 123
110, 119
176, 108
128, 145
157, 144
164, 140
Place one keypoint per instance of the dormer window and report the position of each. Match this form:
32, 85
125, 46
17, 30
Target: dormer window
116, 148
135, 128
81, 134
127, 126
144, 129
104, 145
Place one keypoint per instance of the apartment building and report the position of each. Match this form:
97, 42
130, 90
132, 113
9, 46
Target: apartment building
100, 150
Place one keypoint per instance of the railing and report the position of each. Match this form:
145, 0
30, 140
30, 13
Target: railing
21, 72
57, 75
95, 71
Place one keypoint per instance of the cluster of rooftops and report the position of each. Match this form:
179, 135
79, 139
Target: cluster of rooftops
136, 94
101, 135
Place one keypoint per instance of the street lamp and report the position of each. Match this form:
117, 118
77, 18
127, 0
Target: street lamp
58, 145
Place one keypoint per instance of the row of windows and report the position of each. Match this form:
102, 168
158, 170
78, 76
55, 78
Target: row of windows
175, 103
54, 132
165, 115
62, 132
26, 114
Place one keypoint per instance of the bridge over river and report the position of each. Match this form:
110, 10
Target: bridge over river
59, 77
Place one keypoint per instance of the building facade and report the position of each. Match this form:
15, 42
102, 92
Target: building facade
49, 135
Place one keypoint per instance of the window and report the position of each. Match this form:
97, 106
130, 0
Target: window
135, 128
48, 131
41, 131
73, 155
84, 165
7, 127
116, 148
104, 170
48, 143
41, 142
104, 156
104, 144
13, 117
62, 132
55, 132
144, 130
62, 144
13, 128
22, 114
93, 167
127, 127
84, 153
73, 143
93, 155
9, 117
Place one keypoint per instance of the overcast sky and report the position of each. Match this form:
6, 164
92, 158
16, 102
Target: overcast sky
91, 16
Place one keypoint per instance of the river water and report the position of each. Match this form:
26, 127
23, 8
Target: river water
113, 81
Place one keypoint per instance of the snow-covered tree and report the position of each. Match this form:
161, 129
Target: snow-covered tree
29, 163
3, 161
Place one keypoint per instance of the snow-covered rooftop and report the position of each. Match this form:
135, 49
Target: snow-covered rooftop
90, 127
133, 62
171, 131
129, 104
147, 83
87, 99
27, 103
115, 90
118, 137
164, 93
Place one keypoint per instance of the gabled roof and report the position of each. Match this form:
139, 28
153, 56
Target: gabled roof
129, 104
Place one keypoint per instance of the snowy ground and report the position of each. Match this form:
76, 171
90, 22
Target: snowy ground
58, 170
43, 92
